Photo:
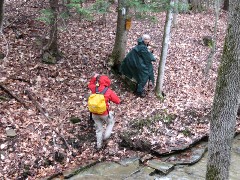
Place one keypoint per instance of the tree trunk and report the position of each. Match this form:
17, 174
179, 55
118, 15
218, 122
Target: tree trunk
185, 6
196, 5
52, 45
213, 45
165, 42
175, 13
1, 15
226, 101
113, 1
226, 5
119, 49
65, 8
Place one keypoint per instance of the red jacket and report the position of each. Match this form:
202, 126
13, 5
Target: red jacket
110, 95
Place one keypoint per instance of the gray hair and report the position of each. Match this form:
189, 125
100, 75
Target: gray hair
145, 36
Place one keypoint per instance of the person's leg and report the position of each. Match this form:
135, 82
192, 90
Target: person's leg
91, 122
99, 129
140, 89
110, 124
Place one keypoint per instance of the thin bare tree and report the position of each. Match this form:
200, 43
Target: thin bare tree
50, 50
163, 57
119, 49
1, 15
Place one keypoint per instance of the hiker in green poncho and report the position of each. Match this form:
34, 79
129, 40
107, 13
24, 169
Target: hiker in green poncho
138, 65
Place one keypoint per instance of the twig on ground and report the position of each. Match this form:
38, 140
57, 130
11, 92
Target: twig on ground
12, 95
5, 39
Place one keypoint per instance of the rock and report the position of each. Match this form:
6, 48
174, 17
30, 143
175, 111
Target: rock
146, 157
138, 144
237, 150
80, 170
197, 155
132, 160
11, 132
173, 158
75, 120
160, 166
69, 173
190, 156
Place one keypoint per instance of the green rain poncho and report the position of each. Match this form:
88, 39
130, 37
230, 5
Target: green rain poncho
138, 65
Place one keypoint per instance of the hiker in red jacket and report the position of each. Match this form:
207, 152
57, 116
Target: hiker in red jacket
107, 116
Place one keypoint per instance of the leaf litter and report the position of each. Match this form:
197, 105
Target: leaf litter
49, 144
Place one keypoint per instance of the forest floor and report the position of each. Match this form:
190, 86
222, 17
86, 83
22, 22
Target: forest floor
61, 89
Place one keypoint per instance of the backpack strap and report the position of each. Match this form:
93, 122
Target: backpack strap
97, 85
104, 90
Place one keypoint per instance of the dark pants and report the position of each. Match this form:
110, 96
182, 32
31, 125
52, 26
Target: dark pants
140, 86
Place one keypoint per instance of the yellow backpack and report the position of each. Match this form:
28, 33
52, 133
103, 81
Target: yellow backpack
96, 101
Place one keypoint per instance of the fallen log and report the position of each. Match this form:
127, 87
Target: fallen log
38, 106
40, 109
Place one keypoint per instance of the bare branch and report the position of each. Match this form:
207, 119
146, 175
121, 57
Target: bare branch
12, 95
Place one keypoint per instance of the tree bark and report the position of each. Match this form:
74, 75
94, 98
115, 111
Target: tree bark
226, 101
226, 5
52, 45
165, 43
213, 45
119, 49
196, 5
175, 13
1, 15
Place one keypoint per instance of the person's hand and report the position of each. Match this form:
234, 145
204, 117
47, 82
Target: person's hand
150, 49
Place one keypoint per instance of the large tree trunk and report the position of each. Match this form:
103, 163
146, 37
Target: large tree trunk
52, 46
1, 15
119, 49
163, 57
226, 101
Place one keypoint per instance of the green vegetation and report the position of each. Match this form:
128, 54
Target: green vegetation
212, 173
75, 120
186, 132
46, 15
3, 98
168, 118
164, 117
